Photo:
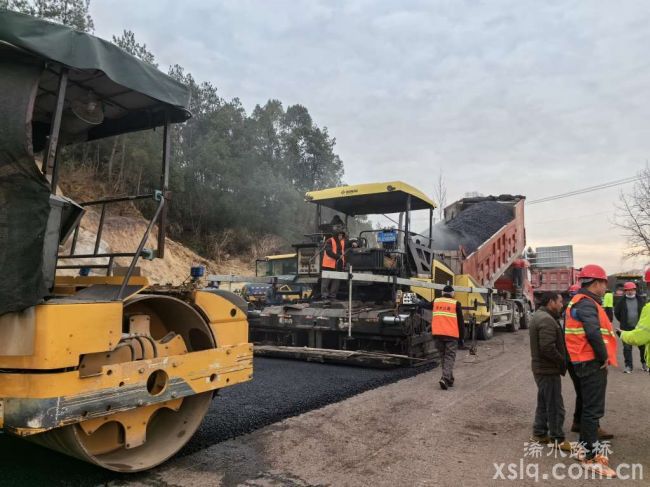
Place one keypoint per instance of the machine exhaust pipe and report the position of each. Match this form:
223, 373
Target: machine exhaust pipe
394, 320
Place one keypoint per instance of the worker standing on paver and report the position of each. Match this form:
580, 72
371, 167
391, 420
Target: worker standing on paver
640, 335
448, 327
591, 345
333, 260
627, 313
548, 362
608, 304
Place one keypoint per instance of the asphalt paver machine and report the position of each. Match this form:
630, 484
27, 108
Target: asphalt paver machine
382, 314
106, 368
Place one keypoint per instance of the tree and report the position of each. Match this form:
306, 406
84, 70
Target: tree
634, 216
127, 42
73, 13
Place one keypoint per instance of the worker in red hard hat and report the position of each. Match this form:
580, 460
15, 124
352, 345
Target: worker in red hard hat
640, 335
628, 311
591, 346
577, 410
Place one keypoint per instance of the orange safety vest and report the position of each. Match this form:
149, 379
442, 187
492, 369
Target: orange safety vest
445, 320
577, 344
329, 262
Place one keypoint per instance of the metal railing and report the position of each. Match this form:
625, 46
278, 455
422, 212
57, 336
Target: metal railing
96, 254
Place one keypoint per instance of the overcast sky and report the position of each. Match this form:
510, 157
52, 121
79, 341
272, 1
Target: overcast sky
511, 96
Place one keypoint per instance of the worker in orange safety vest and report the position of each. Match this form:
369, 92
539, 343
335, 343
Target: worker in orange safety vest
591, 346
333, 260
448, 328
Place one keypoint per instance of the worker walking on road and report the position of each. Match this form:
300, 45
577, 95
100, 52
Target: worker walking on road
591, 345
627, 313
447, 327
333, 260
548, 362
640, 335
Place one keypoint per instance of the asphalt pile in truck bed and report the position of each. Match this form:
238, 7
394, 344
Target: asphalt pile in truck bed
472, 227
279, 390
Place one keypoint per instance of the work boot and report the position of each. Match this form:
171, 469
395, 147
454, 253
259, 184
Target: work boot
604, 435
599, 465
575, 427
561, 445
627, 370
443, 384
542, 440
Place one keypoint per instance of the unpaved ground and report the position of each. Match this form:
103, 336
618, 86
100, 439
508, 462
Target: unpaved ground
412, 433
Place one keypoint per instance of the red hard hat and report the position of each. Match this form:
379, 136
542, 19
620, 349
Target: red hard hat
629, 286
593, 271
647, 275
574, 288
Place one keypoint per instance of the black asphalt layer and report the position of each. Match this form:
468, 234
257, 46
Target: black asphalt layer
280, 389
479, 222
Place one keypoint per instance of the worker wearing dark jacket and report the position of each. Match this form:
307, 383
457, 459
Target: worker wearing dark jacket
548, 362
333, 260
627, 312
447, 327
591, 345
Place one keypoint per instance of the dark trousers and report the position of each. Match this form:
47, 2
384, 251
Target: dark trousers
329, 288
447, 350
593, 383
549, 415
627, 355
577, 412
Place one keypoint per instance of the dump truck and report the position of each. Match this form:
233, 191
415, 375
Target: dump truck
110, 369
484, 237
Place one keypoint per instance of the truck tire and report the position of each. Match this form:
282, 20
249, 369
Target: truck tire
485, 331
516, 321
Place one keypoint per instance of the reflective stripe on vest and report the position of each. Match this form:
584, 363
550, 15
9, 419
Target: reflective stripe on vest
444, 321
329, 262
577, 344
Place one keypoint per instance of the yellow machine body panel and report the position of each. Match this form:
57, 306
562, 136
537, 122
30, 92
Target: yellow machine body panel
445, 275
469, 300
228, 323
58, 334
84, 374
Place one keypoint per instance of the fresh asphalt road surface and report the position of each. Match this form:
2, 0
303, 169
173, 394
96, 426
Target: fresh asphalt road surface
280, 389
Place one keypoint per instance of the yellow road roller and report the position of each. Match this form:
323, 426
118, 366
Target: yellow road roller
103, 366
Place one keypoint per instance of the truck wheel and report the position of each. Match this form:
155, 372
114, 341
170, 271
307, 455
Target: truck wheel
514, 324
485, 331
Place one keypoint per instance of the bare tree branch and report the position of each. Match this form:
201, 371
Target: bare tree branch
634, 216
440, 193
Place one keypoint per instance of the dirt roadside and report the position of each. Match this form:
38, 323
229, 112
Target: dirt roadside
412, 433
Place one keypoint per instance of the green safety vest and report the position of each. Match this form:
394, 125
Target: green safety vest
608, 300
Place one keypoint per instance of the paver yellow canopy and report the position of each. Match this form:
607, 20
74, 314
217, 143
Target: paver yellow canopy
109, 369
372, 198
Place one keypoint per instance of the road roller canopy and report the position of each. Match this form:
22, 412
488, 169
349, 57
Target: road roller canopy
372, 198
128, 94
59, 86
